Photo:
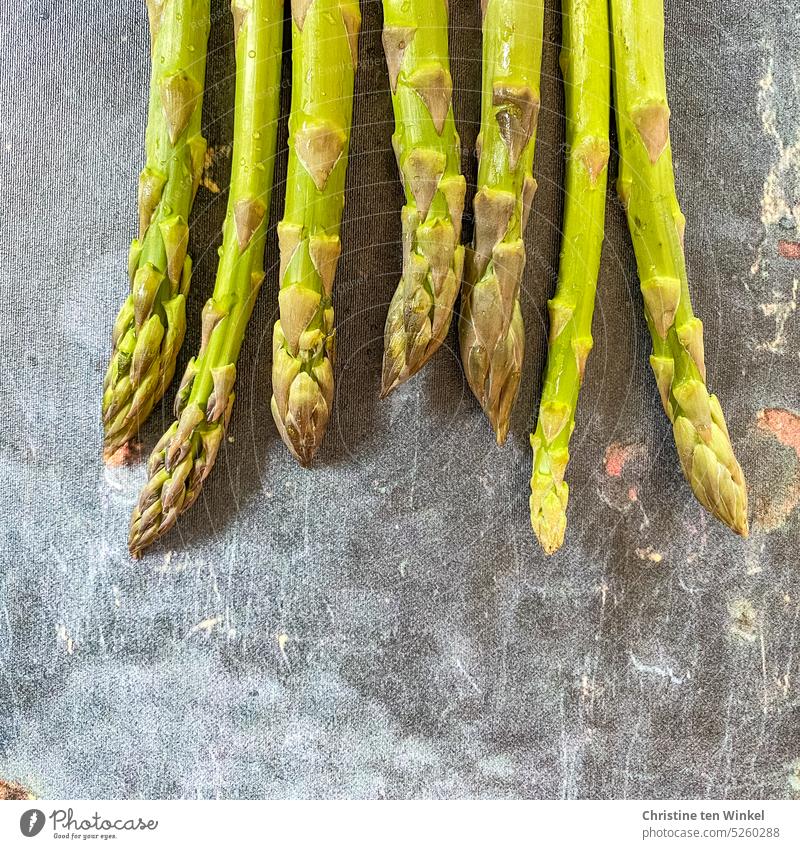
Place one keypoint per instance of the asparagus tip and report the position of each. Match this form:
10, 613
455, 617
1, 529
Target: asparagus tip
302, 452
135, 546
709, 463
387, 386
737, 523
302, 432
548, 503
550, 539
500, 424
395, 373
387, 390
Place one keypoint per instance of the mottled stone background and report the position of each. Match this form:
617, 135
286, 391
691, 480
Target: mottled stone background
385, 625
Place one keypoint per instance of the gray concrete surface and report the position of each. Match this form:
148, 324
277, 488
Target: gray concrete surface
385, 625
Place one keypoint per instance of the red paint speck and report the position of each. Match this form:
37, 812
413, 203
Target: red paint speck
617, 455
789, 250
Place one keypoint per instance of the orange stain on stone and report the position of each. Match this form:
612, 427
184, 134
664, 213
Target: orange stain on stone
11, 791
780, 494
124, 455
784, 425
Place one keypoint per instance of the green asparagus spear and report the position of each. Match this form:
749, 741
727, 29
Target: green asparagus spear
585, 64
185, 455
149, 329
491, 331
428, 154
324, 56
647, 188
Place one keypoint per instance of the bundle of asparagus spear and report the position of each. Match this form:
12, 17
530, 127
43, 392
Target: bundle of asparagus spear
324, 57
185, 455
491, 332
585, 64
646, 187
428, 153
150, 328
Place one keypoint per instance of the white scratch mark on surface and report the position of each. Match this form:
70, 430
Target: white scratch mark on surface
568, 765
469, 678
10, 377
794, 776
686, 588
283, 641
306, 508
170, 565
214, 580
124, 479
208, 624
653, 669
781, 311
603, 590
780, 200
64, 636
714, 787
790, 652
764, 671
589, 689
632, 746
633, 494
5, 656
415, 461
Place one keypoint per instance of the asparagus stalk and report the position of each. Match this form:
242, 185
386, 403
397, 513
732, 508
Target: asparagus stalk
585, 64
491, 330
150, 327
324, 56
185, 455
646, 186
428, 154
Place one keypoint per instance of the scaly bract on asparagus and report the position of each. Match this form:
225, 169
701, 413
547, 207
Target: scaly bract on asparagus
491, 330
647, 189
324, 57
150, 327
185, 455
585, 64
428, 153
